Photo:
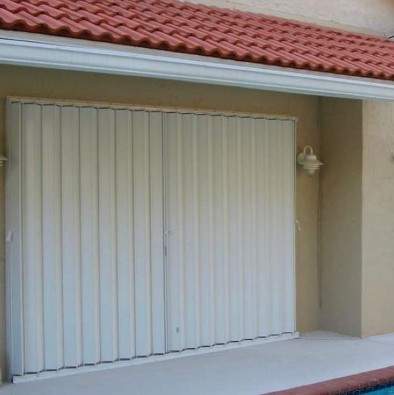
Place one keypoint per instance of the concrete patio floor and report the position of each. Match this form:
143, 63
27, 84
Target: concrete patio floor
253, 370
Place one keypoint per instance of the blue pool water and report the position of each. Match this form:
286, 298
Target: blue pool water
383, 391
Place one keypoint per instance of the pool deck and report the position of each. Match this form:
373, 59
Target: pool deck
257, 369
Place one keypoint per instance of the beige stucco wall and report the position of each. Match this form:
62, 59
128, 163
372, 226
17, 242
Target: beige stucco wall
84, 86
357, 217
378, 218
340, 216
360, 15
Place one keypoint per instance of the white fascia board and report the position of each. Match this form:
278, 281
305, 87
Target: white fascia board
35, 50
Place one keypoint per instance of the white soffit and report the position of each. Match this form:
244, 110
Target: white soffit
36, 50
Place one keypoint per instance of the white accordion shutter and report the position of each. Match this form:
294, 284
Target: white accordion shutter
133, 233
229, 229
85, 260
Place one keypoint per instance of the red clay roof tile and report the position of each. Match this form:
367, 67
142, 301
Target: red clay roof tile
198, 29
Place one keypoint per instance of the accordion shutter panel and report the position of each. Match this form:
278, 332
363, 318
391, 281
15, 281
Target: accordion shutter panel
230, 229
86, 256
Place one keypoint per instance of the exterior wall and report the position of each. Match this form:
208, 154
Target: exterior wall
139, 91
357, 217
340, 219
378, 218
374, 16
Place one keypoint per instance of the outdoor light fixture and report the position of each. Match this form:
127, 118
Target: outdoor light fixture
3, 159
307, 159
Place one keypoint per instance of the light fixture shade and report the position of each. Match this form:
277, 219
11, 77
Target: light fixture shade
308, 160
3, 160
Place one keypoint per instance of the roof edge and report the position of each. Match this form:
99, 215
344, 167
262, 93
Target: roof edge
36, 50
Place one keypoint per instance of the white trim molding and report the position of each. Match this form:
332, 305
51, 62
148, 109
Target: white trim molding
35, 50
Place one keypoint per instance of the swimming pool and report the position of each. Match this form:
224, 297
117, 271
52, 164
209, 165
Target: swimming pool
382, 391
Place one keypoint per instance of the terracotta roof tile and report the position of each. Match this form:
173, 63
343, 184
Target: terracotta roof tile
198, 29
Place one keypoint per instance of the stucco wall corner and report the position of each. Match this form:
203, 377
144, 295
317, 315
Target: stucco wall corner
340, 218
378, 218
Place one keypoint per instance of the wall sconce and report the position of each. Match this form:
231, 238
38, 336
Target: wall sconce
307, 159
3, 160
